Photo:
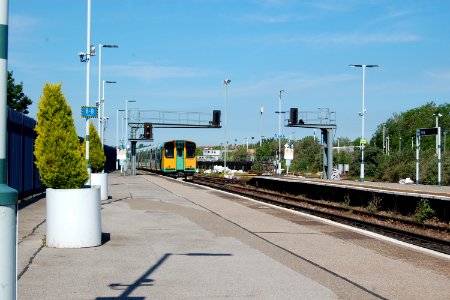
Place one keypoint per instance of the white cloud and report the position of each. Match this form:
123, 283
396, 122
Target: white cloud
290, 81
376, 38
392, 15
21, 28
145, 71
21, 23
439, 74
271, 19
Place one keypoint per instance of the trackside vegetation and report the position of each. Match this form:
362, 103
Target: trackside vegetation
57, 147
380, 165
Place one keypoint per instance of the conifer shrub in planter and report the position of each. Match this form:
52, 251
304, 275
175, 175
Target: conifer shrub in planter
97, 159
72, 210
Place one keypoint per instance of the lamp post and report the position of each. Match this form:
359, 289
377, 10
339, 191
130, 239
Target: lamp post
88, 69
362, 114
100, 46
279, 133
122, 134
117, 136
261, 110
226, 82
102, 126
117, 127
86, 57
126, 121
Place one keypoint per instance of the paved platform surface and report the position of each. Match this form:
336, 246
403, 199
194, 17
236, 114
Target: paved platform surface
166, 239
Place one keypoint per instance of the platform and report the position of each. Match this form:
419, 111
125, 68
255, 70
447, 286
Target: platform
166, 239
413, 190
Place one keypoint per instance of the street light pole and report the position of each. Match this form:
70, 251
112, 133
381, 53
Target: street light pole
226, 82
279, 133
122, 140
88, 69
126, 121
100, 46
117, 127
261, 110
362, 114
102, 127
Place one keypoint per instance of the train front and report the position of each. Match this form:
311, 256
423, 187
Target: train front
186, 159
179, 159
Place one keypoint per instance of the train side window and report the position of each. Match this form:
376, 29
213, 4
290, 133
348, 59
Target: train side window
169, 149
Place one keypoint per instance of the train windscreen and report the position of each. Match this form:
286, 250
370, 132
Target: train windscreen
190, 150
169, 149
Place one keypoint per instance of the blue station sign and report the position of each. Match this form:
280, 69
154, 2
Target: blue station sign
89, 112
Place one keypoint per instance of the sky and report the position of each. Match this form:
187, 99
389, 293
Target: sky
174, 55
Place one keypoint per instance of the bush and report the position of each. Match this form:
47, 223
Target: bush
97, 157
423, 211
57, 147
374, 204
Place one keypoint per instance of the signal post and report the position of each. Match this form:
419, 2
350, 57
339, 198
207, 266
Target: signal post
150, 119
326, 122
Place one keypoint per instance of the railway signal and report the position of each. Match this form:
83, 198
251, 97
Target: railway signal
293, 116
216, 118
148, 134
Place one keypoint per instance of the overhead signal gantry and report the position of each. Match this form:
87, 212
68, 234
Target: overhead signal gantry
324, 120
149, 119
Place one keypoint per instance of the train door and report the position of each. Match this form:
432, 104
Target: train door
180, 155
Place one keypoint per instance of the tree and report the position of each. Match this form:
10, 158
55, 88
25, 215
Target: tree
307, 156
16, 99
97, 157
57, 147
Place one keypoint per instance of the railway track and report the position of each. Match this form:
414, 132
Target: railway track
429, 236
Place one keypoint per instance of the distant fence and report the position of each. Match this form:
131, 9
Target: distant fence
22, 173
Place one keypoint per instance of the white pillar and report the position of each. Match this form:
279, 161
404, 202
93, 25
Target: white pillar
8, 196
438, 138
417, 157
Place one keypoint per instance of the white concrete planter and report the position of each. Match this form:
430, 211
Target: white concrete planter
73, 218
101, 179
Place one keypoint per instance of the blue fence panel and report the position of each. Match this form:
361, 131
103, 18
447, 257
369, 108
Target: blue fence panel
29, 183
22, 174
15, 148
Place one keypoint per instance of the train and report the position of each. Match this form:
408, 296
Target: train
174, 158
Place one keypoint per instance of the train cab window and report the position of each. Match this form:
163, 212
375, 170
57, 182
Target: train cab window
169, 150
190, 150
180, 152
